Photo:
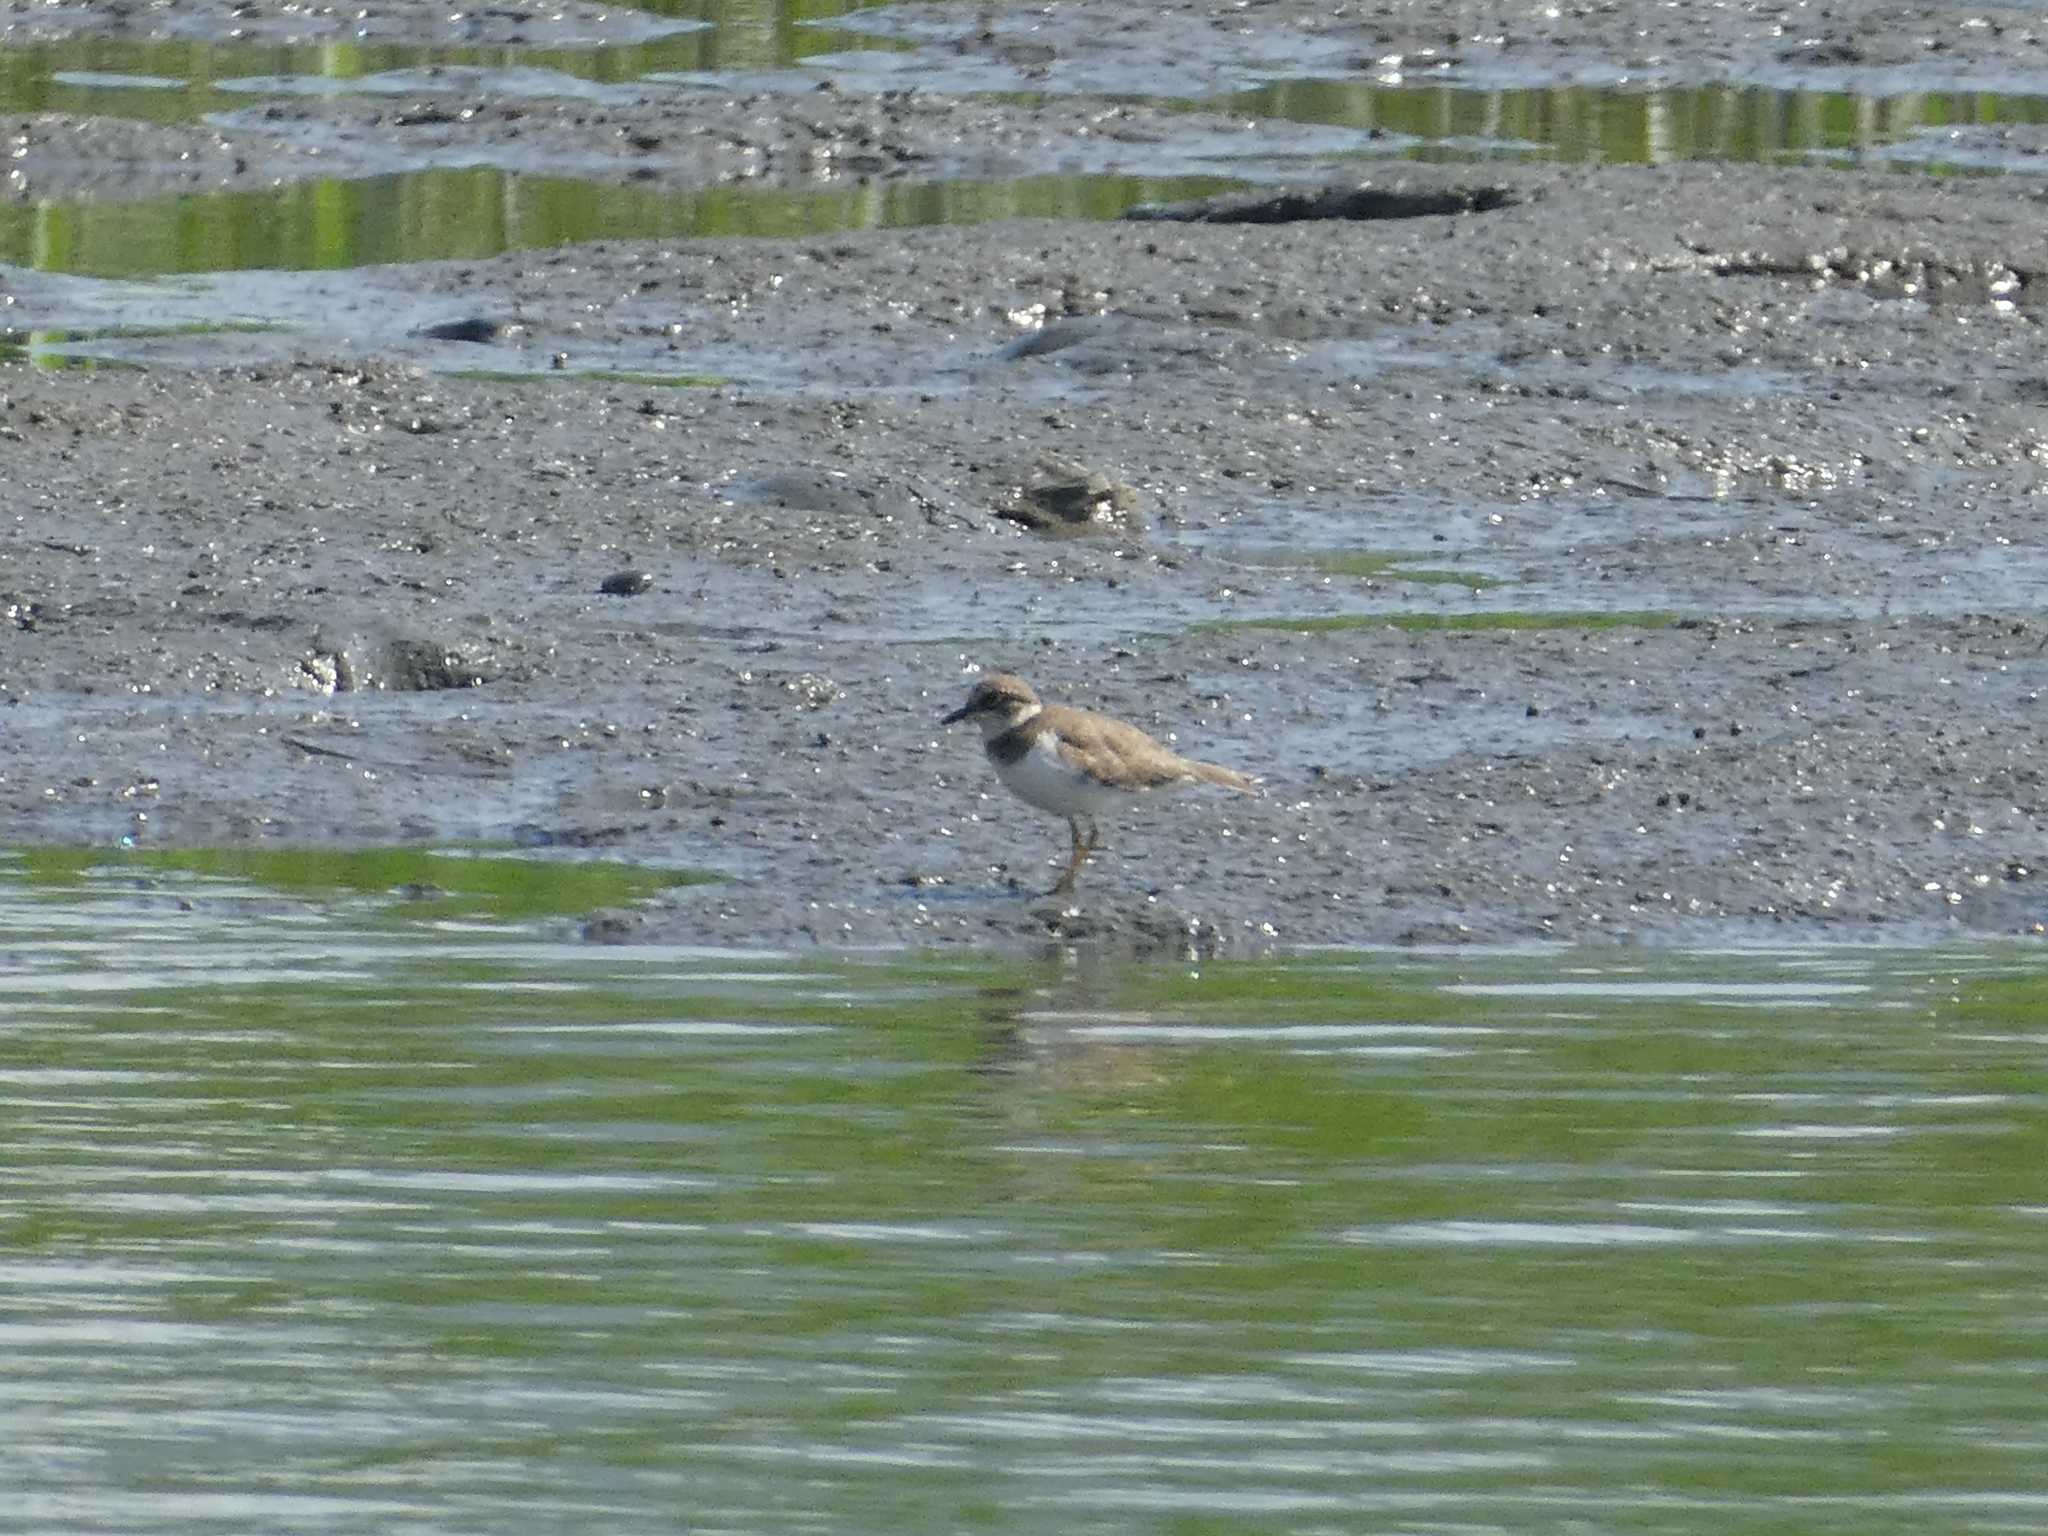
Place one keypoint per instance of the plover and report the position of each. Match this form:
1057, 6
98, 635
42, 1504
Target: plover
1076, 763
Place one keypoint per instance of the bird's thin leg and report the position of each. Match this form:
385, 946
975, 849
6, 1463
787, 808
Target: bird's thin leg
1094, 835
1074, 863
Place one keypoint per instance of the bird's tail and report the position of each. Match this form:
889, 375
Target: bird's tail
1229, 778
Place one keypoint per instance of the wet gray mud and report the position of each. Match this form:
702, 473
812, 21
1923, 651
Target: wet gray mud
1654, 553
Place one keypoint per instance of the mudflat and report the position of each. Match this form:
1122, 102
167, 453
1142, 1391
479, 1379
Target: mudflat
1634, 551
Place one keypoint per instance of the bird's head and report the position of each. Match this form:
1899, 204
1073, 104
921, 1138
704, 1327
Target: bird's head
996, 703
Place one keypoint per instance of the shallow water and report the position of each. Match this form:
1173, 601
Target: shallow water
500, 195
336, 1209
255, 261
181, 79
1659, 125
472, 213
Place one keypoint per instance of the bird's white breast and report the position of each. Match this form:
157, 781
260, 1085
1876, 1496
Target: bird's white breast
1043, 778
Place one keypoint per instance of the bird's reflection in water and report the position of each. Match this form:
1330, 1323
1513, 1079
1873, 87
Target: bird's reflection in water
1028, 1038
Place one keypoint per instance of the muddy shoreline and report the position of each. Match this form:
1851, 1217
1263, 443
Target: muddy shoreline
1653, 557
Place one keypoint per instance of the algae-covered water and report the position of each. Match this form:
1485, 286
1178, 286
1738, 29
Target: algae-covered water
358, 1196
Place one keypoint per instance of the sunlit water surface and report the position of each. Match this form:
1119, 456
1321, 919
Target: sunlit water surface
501, 193
368, 1208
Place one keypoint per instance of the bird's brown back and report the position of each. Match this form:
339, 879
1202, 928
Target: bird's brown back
1115, 749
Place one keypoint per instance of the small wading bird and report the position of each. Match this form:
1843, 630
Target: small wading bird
1076, 763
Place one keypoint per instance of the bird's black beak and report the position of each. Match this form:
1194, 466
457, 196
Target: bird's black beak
959, 714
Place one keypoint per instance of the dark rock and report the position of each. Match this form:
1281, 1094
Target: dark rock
1359, 203
474, 329
1061, 497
